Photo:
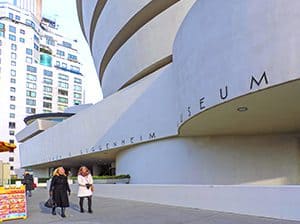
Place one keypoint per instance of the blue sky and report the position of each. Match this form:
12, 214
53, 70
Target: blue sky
65, 14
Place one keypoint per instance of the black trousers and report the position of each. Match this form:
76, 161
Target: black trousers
89, 202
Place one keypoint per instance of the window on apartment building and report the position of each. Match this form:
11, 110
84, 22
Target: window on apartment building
62, 92
75, 68
47, 97
13, 47
12, 29
31, 93
48, 73
30, 77
47, 89
12, 125
77, 80
29, 60
47, 105
48, 81
62, 100
12, 98
36, 38
35, 46
46, 60
30, 102
77, 95
50, 42
57, 63
22, 31
13, 72
60, 53
67, 44
18, 18
77, 88
30, 85
30, 110
13, 63
12, 80
11, 167
28, 51
13, 55
30, 23
11, 159
12, 37
77, 102
10, 15
72, 57
12, 89
64, 65
12, 106
11, 141
22, 40
61, 107
11, 132
2, 29
63, 85
63, 77
12, 115
31, 68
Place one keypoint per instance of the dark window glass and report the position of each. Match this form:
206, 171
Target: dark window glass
48, 73
12, 37
12, 29
28, 51
11, 125
31, 69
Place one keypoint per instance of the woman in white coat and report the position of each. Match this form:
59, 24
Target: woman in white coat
85, 190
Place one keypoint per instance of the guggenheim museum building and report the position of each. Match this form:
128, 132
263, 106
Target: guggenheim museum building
201, 98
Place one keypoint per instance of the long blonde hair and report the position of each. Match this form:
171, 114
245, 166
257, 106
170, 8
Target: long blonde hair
80, 170
55, 172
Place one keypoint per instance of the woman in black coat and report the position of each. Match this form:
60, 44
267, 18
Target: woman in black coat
28, 182
59, 190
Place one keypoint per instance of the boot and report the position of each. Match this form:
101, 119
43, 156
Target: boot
81, 204
63, 212
53, 211
90, 204
81, 210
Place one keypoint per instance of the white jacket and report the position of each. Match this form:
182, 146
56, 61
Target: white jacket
82, 181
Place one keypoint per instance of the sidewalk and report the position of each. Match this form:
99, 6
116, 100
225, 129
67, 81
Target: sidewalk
112, 211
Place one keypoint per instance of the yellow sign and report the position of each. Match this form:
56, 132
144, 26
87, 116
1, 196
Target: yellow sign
12, 203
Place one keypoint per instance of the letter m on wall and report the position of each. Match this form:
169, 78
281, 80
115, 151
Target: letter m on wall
262, 78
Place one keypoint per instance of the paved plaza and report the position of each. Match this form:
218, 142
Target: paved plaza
113, 211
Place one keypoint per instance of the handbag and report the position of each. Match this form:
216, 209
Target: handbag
50, 203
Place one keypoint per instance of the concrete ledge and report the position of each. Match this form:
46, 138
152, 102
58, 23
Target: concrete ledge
268, 201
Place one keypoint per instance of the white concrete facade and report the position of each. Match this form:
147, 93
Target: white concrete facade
278, 201
196, 92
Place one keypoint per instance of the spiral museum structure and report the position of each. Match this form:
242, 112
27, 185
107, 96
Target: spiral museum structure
195, 92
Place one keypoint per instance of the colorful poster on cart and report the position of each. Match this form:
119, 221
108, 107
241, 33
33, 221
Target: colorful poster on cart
12, 203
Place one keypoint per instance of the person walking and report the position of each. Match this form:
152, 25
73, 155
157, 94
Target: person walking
28, 182
59, 189
86, 188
